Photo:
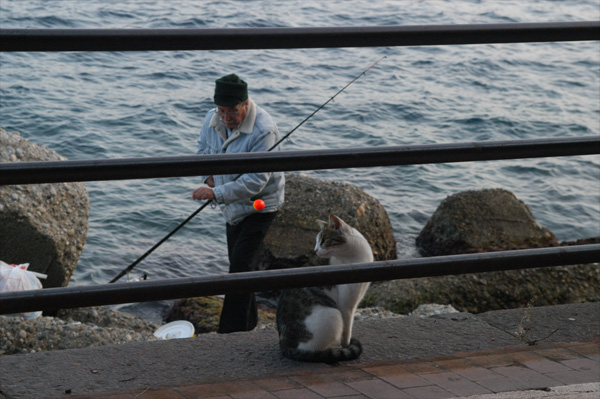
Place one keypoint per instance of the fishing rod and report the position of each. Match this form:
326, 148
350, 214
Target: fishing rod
197, 211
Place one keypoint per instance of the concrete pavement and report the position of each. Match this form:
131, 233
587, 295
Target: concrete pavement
533, 351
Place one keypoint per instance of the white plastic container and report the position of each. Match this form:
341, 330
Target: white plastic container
175, 329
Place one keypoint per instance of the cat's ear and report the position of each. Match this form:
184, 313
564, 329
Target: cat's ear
321, 223
336, 222
339, 224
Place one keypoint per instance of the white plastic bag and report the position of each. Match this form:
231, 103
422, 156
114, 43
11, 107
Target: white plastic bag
17, 278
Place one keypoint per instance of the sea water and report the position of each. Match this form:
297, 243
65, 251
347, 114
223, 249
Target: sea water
106, 105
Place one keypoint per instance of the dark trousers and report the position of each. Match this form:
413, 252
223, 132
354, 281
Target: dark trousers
244, 242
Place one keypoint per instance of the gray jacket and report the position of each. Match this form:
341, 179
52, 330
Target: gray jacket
257, 133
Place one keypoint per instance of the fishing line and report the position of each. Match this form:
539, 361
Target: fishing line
197, 211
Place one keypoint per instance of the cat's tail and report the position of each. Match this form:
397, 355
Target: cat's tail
331, 355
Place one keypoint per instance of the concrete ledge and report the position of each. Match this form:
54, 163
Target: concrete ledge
212, 358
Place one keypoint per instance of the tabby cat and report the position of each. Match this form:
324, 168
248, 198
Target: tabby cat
313, 322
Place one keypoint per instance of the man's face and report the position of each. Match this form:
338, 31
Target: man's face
232, 117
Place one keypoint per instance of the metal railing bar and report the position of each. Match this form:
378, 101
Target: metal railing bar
109, 294
196, 165
288, 38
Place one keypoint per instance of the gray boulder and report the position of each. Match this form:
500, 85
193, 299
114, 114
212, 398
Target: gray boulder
477, 221
44, 225
291, 238
488, 220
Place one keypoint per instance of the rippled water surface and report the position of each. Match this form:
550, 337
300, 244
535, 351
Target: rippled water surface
99, 105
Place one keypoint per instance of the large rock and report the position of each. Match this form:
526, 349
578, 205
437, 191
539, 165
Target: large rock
291, 238
44, 225
486, 220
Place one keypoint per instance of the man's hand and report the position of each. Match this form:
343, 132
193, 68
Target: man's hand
204, 193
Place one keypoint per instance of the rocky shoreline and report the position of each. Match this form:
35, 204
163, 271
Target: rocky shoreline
99, 326
465, 222
80, 328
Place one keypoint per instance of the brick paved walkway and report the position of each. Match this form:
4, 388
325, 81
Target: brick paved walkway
460, 375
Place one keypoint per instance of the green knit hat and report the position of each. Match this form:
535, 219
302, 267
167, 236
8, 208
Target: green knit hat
230, 90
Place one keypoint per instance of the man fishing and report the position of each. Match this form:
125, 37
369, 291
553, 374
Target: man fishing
238, 125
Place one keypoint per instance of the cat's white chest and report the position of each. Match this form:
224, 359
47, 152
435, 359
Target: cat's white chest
347, 296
